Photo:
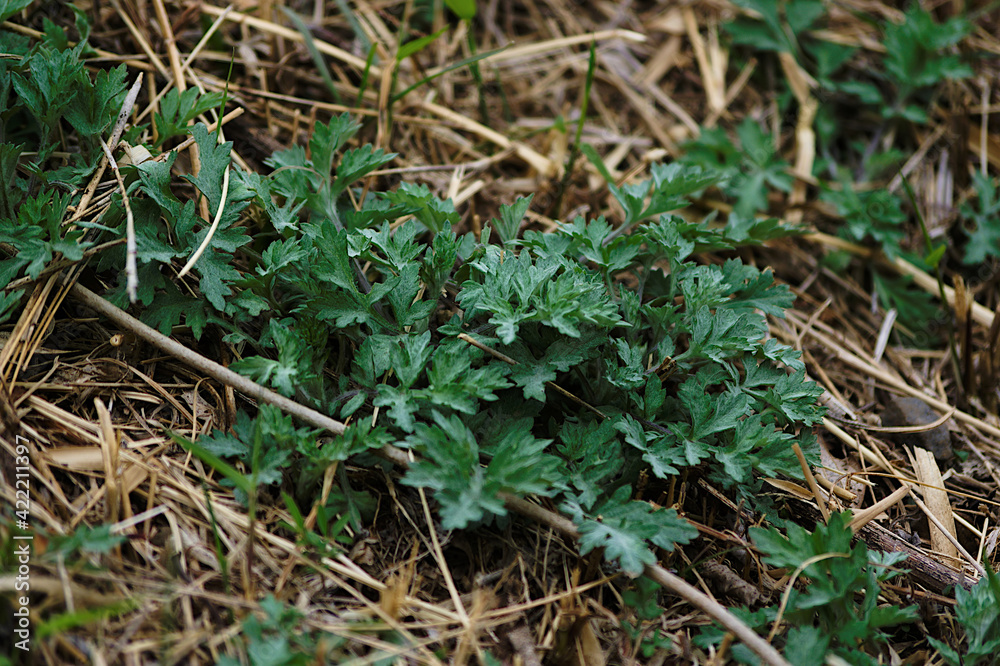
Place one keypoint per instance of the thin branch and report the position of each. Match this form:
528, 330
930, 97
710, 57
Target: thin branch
218, 372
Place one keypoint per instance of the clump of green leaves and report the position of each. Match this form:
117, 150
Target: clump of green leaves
838, 612
554, 304
869, 216
829, 614
877, 217
977, 612
278, 639
618, 357
983, 233
264, 444
643, 597
85, 540
781, 26
49, 102
58, 105
750, 166
917, 55
918, 58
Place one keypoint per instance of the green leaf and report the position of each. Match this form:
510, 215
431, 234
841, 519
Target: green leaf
215, 159
747, 167
781, 26
168, 308
217, 277
984, 239
977, 612
12, 194
726, 410
402, 406
328, 138
914, 50
417, 45
532, 378
177, 109
806, 646
357, 163
359, 437
622, 527
397, 249
409, 356
464, 9
293, 371
432, 212
467, 492
98, 105
594, 455
50, 86
591, 154
10, 7
208, 457
37, 236
86, 539
628, 371
63, 623
510, 218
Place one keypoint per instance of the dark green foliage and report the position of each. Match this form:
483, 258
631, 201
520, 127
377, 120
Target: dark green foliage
781, 25
264, 444
749, 166
643, 597
622, 527
977, 612
276, 639
841, 600
178, 109
466, 491
984, 235
918, 56
869, 216
838, 614
84, 540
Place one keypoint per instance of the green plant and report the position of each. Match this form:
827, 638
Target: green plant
47, 99
838, 573
877, 217
869, 216
790, 27
556, 307
917, 59
977, 612
246, 443
643, 598
84, 540
984, 236
776, 25
750, 167
278, 639
598, 366
839, 611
